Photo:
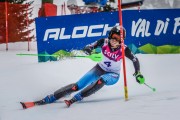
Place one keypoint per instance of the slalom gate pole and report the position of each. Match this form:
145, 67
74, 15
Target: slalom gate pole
122, 47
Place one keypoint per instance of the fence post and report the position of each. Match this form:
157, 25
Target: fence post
27, 26
6, 14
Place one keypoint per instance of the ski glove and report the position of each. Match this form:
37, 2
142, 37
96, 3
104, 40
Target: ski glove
139, 77
87, 50
90, 50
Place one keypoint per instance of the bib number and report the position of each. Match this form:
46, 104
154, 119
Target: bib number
108, 64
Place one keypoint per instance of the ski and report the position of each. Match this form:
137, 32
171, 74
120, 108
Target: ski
68, 103
26, 105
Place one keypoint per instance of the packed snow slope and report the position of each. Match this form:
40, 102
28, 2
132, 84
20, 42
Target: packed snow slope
24, 79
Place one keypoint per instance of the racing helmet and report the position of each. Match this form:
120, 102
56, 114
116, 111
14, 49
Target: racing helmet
117, 30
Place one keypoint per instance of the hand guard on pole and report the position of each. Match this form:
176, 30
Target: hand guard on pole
139, 77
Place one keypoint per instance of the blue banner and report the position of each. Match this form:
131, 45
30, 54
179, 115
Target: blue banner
72, 31
156, 27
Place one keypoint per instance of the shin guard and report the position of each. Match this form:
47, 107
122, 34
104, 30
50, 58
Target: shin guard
91, 89
67, 90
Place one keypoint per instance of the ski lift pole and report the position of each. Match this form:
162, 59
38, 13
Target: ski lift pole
122, 47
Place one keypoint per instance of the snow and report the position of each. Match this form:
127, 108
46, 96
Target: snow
24, 79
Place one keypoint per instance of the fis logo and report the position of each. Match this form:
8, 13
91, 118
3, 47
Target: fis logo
77, 32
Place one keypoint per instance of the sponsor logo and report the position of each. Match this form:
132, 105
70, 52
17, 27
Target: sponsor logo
110, 54
77, 32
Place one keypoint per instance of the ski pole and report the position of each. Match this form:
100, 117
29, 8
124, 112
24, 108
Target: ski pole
153, 89
94, 57
22, 54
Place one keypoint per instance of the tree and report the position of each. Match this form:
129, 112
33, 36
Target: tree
19, 20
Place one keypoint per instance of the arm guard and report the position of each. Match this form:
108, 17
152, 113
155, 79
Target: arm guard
133, 58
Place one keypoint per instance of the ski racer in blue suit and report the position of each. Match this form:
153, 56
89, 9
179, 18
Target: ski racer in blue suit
106, 72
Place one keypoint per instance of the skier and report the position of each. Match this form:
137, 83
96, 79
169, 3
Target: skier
106, 72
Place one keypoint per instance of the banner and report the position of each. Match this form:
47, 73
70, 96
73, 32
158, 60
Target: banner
147, 31
72, 31
153, 31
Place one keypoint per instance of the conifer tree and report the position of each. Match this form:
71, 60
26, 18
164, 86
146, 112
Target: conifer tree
19, 20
